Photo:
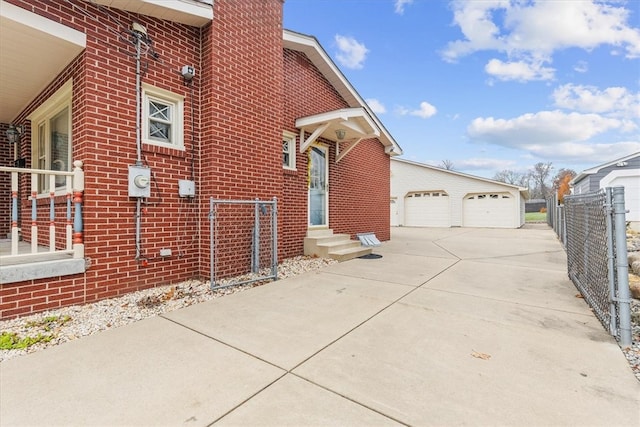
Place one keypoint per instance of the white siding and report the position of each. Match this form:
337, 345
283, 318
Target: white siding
409, 177
393, 209
630, 180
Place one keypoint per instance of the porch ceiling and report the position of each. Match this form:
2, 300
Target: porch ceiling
355, 123
33, 50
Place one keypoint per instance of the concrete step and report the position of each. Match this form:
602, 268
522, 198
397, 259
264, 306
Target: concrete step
350, 253
325, 244
319, 232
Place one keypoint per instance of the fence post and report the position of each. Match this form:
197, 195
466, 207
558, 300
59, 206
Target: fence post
622, 266
613, 325
212, 248
274, 241
255, 253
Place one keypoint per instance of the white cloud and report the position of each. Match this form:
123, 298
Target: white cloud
530, 32
518, 70
376, 106
425, 111
559, 136
480, 163
351, 53
400, 5
615, 101
574, 152
544, 128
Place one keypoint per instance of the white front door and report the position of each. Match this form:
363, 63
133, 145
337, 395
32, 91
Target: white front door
318, 187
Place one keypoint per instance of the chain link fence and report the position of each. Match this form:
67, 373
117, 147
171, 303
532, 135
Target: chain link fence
243, 242
592, 228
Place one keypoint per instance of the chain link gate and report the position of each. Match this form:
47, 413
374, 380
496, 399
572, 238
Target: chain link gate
243, 241
595, 231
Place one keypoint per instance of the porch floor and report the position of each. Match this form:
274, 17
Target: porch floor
25, 256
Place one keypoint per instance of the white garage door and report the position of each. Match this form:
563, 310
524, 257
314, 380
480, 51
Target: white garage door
489, 210
427, 209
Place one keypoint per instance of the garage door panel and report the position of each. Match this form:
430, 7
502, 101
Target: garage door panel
489, 210
427, 209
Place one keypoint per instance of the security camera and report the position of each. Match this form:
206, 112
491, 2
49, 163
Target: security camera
188, 72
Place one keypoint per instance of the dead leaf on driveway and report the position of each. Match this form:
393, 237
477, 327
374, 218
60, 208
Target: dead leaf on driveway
478, 355
579, 296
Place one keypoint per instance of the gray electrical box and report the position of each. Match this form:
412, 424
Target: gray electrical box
139, 181
186, 188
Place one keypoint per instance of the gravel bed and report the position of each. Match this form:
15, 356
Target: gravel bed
73, 322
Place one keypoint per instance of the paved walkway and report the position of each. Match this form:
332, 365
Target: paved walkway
450, 327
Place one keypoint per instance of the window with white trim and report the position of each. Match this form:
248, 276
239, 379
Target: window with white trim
51, 136
288, 150
162, 117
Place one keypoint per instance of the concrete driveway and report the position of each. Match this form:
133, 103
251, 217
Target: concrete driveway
449, 327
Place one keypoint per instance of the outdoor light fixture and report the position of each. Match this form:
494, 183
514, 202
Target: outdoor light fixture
341, 133
13, 133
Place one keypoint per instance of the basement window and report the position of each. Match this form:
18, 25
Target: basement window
162, 118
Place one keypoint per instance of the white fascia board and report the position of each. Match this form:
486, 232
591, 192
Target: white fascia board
190, 12
45, 25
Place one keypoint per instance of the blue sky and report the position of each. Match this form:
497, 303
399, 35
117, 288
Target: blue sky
490, 85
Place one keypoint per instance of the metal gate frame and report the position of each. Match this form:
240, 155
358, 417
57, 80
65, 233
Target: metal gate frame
260, 207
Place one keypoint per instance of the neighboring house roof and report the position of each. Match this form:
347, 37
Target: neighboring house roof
310, 46
582, 175
523, 190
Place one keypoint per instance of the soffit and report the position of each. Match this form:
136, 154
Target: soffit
33, 51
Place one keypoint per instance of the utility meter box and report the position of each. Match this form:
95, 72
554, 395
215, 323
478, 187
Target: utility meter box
186, 188
139, 181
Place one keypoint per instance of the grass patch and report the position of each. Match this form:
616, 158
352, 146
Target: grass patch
11, 340
535, 217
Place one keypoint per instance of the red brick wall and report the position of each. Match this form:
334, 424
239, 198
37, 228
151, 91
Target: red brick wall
360, 188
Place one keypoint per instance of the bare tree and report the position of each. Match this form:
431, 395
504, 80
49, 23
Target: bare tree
446, 164
540, 175
508, 176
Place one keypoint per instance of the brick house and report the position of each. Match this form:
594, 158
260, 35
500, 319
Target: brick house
121, 120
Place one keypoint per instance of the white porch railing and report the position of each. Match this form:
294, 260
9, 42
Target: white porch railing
73, 189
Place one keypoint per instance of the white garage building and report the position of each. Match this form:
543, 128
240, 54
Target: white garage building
428, 196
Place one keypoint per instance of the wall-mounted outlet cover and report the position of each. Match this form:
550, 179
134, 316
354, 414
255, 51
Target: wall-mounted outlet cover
186, 188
